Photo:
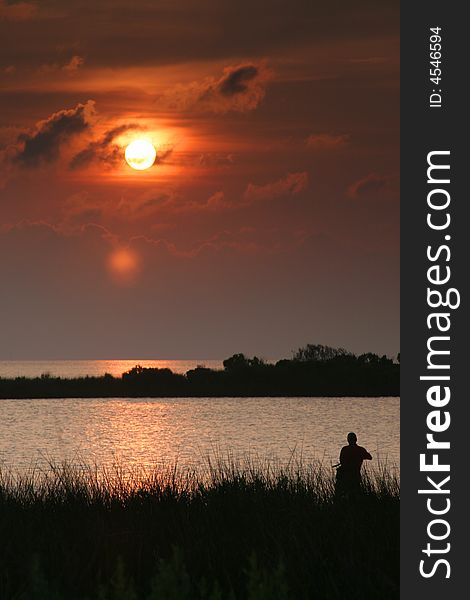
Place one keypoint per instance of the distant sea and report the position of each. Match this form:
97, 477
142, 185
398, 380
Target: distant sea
79, 368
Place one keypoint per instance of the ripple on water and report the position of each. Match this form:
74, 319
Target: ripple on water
142, 431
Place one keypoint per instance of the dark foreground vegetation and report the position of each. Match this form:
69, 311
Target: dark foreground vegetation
313, 371
232, 532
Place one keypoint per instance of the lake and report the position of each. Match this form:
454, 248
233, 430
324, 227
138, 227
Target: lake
144, 432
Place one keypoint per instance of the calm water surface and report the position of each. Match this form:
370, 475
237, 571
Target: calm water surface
148, 431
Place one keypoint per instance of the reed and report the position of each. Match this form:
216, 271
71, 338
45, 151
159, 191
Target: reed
234, 528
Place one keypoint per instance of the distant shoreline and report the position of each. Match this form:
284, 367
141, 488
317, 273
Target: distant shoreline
73, 368
314, 371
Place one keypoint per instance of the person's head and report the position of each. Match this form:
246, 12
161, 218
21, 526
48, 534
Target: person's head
352, 438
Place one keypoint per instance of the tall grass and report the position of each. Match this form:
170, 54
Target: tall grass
235, 529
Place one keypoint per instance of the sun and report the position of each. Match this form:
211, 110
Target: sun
140, 154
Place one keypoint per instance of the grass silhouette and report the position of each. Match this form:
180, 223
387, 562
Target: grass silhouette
234, 529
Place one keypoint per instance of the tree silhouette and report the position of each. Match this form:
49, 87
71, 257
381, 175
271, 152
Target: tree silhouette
319, 353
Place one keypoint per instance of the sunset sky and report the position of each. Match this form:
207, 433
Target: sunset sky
271, 216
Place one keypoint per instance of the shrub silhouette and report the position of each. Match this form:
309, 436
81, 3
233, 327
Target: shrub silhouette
314, 370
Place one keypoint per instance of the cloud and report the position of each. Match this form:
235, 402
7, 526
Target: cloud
368, 185
370, 60
216, 159
241, 88
164, 152
217, 201
109, 153
240, 241
84, 207
292, 184
43, 143
237, 80
147, 204
69, 67
75, 63
243, 240
103, 150
21, 11
170, 202
248, 31
79, 209
327, 141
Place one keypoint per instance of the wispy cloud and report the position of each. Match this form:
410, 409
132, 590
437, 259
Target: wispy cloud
327, 141
241, 88
71, 66
292, 184
104, 149
370, 184
21, 11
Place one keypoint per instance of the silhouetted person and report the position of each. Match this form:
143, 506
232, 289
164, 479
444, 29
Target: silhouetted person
350, 458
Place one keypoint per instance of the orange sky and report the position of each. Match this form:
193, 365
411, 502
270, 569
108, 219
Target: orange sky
270, 218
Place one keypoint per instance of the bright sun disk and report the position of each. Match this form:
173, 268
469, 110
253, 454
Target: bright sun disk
140, 154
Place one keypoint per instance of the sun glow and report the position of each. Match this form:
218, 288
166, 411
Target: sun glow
140, 154
123, 264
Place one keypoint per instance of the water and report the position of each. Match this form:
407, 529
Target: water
80, 368
141, 431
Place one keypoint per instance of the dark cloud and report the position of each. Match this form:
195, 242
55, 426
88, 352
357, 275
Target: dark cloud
369, 184
103, 150
237, 81
241, 88
42, 145
106, 151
